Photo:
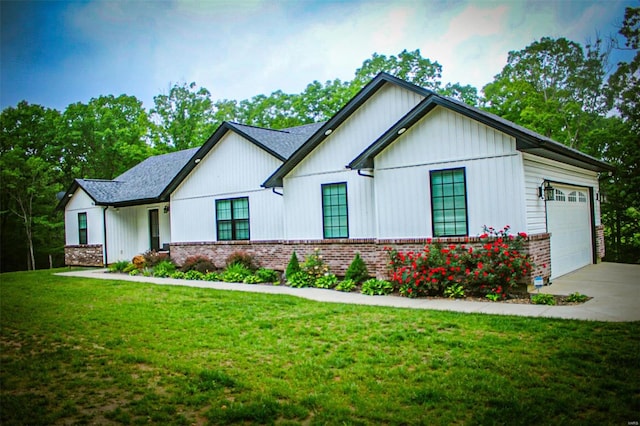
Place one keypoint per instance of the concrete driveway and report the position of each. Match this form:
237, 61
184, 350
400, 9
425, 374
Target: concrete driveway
615, 289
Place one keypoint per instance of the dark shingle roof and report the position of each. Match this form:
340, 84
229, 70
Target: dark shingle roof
281, 142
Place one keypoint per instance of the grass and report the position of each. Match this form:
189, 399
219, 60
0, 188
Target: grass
82, 351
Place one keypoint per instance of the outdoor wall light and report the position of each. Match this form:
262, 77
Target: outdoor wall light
166, 209
546, 191
601, 196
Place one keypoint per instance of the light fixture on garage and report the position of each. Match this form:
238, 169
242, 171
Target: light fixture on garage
546, 191
166, 209
601, 196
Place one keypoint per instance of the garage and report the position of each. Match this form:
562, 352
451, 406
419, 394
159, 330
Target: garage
569, 222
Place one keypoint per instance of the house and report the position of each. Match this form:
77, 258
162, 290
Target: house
396, 166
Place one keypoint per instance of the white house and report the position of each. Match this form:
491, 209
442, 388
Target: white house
397, 165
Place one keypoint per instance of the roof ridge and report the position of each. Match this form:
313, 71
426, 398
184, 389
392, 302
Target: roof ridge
257, 127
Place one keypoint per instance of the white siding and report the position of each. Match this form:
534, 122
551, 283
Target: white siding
443, 140
536, 170
326, 164
81, 203
233, 168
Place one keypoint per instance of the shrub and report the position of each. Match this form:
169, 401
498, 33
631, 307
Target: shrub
178, 275
152, 258
300, 279
130, 267
374, 287
134, 272
543, 299
326, 281
147, 272
251, 279
454, 291
118, 266
577, 298
357, 270
194, 275
314, 266
242, 258
212, 276
198, 263
293, 266
346, 285
235, 273
164, 269
138, 261
267, 275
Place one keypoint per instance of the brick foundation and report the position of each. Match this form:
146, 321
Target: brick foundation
600, 250
338, 254
84, 255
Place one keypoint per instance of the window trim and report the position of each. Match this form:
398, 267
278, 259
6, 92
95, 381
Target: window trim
154, 212
346, 201
466, 202
233, 220
85, 229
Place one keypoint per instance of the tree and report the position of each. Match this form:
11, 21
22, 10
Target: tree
28, 149
553, 87
182, 119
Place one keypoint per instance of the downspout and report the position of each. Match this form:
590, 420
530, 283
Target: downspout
104, 234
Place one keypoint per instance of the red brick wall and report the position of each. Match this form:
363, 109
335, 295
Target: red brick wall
84, 255
338, 254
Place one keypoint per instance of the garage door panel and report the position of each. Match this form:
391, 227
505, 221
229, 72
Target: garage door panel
569, 222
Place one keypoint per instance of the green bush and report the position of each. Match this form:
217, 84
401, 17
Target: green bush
314, 266
235, 273
326, 281
374, 287
120, 266
251, 279
178, 275
346, 285
293, 266
267, 275
357, 270
212, 276
153, 258
164, 269
130, 267
454, 291
198, 263
577, 298
242, 258
134, 272
543, 299
300, 279
194, 275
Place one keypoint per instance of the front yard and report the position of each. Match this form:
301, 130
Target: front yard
98, 351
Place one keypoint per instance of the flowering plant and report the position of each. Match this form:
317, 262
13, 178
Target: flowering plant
494, 266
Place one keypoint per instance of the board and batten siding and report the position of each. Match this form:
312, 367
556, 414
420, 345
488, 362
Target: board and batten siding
234, 167
444, 139
80, 202
536, 170
326, 164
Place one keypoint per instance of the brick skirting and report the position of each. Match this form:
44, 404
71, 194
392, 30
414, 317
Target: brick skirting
338, 254
84, 255
600, 250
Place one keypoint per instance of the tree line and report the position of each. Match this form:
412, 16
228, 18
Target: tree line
555, 87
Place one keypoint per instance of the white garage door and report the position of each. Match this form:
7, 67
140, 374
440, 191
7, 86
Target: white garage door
569, 223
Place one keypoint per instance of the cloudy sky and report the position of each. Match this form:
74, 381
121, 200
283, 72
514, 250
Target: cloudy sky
55, 53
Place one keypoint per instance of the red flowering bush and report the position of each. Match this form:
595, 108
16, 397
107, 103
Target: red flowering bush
491, 269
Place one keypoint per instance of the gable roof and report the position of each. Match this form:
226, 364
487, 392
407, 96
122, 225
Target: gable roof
526, 140
275, 180
155, 178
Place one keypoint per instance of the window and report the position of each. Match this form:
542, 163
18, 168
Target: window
582, 197
573, 197
335, 215
82, 228
449, 202
232, 219
560, 196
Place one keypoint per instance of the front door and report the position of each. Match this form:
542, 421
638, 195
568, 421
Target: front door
154, 229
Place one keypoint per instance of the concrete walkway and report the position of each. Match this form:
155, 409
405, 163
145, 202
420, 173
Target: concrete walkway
615, 289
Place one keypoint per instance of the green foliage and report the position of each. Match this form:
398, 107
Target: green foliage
130, 267
164, 269
300, 279
346, 285
267, 275
152, 258
494, 297
119, 266
293, 266
375, 287
134, 272
543, 299
314, 265
577, 298
235, 273
212, 276
357, 270
242, 258
194, 275
454, 291
178, 275
326, 281
198, 263
251, 279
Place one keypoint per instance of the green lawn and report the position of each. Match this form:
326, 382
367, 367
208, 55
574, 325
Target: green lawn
107, 352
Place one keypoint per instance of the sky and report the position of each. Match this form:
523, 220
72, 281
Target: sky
55, 53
